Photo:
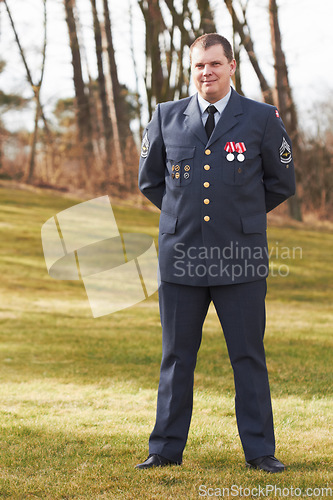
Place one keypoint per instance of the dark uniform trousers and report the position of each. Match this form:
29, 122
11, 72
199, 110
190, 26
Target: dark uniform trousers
241, 311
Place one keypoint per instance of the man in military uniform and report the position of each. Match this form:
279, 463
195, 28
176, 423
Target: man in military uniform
215, 164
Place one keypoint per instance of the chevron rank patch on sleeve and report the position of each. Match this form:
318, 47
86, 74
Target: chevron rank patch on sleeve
145, 146
285, 151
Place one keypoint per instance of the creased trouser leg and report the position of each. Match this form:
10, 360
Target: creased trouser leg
241, 309
183, 310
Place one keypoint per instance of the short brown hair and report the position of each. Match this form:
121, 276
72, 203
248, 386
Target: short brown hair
210, 39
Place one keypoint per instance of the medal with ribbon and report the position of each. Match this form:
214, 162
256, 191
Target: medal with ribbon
240, 148
232, 147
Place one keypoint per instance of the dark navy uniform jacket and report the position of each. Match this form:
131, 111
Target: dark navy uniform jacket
214, 203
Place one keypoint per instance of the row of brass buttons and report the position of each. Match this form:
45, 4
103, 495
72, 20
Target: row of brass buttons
206, 185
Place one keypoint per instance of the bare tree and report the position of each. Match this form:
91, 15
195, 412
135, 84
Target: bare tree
135, 68
107, 125
237, 75
242, 28
207, 23
188, 32
283, 98
154, 78
93, 99
82, 100
167, 42
110, 96
36, 87
118, 93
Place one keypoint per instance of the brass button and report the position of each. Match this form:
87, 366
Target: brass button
177, 167
239, 170
187, 168
206, 201
206, 184
207, 152
207, 167
173, 167
206, 218
287, 166
177, 175
173, 175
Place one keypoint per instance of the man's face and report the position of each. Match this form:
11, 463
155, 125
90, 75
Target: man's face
211, 72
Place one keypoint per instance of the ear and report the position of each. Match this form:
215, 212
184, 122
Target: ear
233, 65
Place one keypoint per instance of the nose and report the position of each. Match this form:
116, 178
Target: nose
207, 70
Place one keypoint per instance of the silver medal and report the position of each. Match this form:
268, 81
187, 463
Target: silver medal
240, 157
230, 157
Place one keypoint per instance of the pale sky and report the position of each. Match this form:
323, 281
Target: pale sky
306, 33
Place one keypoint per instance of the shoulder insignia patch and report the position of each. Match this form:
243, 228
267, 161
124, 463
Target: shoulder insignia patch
277, 114
145, 146
285, 151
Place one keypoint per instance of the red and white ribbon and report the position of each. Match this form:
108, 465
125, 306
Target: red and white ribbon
230, 147
240, 147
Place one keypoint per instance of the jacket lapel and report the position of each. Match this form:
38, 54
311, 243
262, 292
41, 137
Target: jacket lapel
193, 119
229, 118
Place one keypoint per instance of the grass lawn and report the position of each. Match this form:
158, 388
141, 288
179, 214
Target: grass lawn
78, 394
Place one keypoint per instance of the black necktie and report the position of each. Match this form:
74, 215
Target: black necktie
210, 123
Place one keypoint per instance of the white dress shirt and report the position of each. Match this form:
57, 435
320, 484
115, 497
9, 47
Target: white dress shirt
219, 105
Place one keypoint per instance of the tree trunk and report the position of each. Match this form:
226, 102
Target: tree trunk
249, 47
82, 101
166, 77
35, 88
207, 24
154, 78
107, 125
118, 95
136, 73
118, 155
34, 143
237, 75
284, 100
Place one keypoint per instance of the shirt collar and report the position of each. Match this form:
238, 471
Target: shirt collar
219, 105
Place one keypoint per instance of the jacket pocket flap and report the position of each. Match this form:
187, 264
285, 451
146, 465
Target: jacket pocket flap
179, 153
254, 223
168, 223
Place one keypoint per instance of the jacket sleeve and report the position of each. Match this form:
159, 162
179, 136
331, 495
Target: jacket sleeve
278, 165
152, 161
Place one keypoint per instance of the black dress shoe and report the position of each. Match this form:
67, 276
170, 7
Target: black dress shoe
268, 464
155, 460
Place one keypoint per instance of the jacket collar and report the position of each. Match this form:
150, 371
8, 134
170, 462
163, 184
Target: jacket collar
228, 119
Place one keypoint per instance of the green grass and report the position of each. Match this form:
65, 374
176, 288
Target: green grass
78, 394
